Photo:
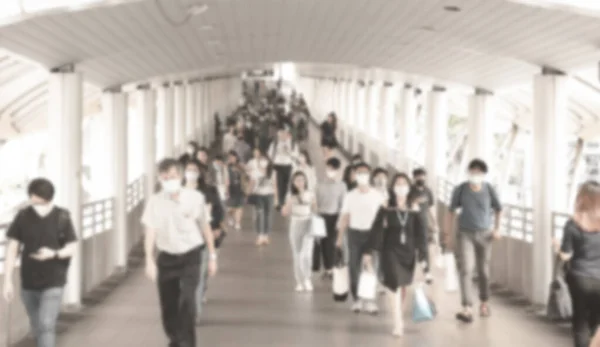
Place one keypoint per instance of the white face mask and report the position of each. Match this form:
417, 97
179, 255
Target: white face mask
476, 179
191, 176
171, 186
331, 174
43, 210
362, 179
401, 190
263, 164
381, 182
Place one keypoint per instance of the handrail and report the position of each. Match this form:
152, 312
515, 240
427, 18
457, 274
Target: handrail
135, 192
96, 217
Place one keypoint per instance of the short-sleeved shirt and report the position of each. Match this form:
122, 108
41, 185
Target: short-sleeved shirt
177, 222
476, 206
362, 208
301, 207
33, 232
424, 198
263, 185
585, 249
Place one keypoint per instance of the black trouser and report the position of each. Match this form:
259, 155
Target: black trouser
357, 242
284, 173
326, 246
178, 277
585, 294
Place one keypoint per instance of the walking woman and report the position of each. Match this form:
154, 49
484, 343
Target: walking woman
304, 165
194, 178
235, 192
328, 140
263, 181
400, 239
299, 205
581, 247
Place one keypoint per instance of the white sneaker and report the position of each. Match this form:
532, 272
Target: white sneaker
299, 288
371, 308
308, 286
238, 227
357, 306
398, 330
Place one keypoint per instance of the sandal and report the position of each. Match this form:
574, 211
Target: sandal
464, 317
484, 310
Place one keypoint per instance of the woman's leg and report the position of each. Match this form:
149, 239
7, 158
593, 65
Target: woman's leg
308, 243
268, 216
578, 289
238, 212
259, 217
295, 244
396, 300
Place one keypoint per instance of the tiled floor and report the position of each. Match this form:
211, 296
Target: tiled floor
252, 303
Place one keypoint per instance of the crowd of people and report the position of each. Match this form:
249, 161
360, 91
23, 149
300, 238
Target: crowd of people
379, 222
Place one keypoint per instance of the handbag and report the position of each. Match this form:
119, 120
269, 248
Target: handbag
423, 306
560, 306
317, 227
451, 275
367, 285
341, 280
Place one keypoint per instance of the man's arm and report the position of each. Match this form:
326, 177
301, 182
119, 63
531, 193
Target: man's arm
497, 206
342, 225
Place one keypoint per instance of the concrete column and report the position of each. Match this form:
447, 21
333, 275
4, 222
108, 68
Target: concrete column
198, 113
115, 108
388, 123
180, 116
147, 100
65, 112
480, 138
549, 172
373, 114
190, 110
359, 115
436, 138
168, 120
407, 127
350, 110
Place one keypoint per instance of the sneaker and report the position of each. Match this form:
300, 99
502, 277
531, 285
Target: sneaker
484, 310
308, 286
266, 240
357, 306
371, 308
299, 288
259, 241
465, 317
398, 330
238, 227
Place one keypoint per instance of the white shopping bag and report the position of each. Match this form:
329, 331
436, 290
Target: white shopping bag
439, 258
341, 283
367, 285
451, 280
317, 227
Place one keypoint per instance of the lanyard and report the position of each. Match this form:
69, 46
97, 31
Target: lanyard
403, 219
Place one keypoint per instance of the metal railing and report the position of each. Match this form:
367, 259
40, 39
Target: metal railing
97, 228
135, 206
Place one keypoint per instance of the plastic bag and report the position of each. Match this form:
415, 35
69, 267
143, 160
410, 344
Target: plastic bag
367, 285
423, 307
317, 227
451, 275
341, 280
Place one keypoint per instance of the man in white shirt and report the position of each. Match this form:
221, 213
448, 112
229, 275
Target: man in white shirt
177, 224
359, 209
283, 153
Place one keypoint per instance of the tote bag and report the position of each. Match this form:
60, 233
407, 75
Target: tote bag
367, 285
317, 227
451, 273
341, 281
423, 307
560, 306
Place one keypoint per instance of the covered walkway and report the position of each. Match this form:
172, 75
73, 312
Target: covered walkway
252, 304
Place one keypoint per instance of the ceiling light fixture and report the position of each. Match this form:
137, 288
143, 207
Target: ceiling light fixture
197, 9
452, 8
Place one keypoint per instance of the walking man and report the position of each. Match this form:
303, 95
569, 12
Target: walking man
177, 224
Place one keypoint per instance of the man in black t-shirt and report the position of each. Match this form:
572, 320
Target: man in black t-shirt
48, 239
422, 195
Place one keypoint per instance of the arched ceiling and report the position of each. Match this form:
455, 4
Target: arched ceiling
489, 43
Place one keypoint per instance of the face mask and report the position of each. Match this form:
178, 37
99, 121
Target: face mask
171, 186
362, 179
331, 174
476, 179
43, 210
401, 190
420, 183
381, 182
264, 164
191, 176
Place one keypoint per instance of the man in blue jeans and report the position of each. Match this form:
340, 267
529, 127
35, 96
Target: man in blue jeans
48, 239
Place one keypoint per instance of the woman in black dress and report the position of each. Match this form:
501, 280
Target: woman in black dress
328, 140
398, 235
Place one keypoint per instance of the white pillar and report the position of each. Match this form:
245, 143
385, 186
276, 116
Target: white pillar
407, 127
168, 120
115, 107
198, 113
373, 118
65, 112
480, 138
361, 124
190, 112
388, 123
350, 110
180, 115
549, 176
436, 137
147, 100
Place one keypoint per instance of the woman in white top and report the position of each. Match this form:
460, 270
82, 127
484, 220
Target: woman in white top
304, 165
263, 181
300, 204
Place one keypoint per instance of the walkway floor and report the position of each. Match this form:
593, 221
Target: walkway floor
252, 303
